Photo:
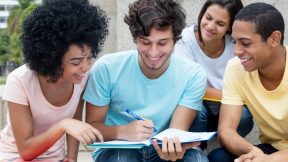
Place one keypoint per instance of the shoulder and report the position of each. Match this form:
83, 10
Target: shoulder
187, 34
22, 73
188, 67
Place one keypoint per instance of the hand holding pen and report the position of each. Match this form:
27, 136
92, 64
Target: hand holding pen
139, 129
137, 117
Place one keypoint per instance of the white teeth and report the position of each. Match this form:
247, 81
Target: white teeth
153, 58
244, 60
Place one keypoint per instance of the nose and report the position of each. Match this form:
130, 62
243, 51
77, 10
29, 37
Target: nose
87, 65
154, 50
211, 26
237, 50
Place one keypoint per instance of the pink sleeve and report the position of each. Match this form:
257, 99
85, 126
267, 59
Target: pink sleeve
14, 90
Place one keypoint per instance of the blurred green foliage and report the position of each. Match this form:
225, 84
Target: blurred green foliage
10, 43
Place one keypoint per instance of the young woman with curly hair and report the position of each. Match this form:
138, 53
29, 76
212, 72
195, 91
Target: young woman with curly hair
60, 39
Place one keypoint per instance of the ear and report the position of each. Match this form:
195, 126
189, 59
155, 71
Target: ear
275, 38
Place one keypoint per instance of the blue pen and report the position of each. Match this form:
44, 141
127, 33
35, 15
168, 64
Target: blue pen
137, 117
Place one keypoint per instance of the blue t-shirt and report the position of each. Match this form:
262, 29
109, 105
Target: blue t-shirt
117, 80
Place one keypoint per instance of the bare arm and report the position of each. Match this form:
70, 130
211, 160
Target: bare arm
182, 118
213, 93
229, 119
30, 146
134, 131
72, 143
256, 155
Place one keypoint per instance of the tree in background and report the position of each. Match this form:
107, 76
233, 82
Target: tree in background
10, 44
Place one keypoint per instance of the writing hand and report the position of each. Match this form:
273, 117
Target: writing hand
138, 130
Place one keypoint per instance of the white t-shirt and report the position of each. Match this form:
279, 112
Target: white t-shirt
189, 48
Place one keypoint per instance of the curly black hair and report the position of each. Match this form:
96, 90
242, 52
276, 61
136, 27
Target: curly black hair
147, 14
54, 26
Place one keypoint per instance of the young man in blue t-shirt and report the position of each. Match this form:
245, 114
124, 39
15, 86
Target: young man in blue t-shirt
161, 87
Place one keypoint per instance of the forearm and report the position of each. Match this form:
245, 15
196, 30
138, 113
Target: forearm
36, 145
213, 93
110, 132
233, 142
72, 148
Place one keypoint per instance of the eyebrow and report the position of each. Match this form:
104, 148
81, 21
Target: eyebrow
164, 39
76, 58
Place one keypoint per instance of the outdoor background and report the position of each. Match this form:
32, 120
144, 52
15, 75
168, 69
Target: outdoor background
13, 12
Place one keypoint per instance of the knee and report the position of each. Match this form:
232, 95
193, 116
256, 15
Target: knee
112, 155
195, 155
220, 154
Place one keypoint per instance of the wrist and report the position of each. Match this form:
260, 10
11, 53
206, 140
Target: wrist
120, 132
63, 123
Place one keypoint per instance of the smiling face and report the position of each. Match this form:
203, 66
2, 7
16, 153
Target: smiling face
77, 61
253, 52
214, 23
155, 52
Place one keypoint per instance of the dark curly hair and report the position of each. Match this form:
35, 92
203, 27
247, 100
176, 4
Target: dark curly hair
147, 14
54, 26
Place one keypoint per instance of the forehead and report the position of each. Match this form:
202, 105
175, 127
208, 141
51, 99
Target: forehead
244, 29
77, 51
218, 12
159, 34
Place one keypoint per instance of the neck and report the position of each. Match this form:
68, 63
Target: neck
212, 49
272, 74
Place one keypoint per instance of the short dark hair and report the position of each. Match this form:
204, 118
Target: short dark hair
232, 6
54, 26
266, 18
147, 14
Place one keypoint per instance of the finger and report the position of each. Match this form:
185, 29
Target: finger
245, 157
148, 123
171, 149
157, 148
248, 160
98, 134
86, 138
165, 148
178, 148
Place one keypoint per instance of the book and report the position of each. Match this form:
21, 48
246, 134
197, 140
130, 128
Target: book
185, 137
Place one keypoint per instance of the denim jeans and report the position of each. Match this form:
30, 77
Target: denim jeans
207, 119
221, 154
146, 154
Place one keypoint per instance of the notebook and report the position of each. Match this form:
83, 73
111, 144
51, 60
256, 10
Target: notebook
185, 137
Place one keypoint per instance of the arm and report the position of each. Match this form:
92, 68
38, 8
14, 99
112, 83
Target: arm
134, 131
72, 143
30, 146
256, 155
213, 93
228, 137
172, 148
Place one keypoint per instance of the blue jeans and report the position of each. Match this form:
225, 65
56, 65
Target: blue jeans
207, 119
146, 154
221, 154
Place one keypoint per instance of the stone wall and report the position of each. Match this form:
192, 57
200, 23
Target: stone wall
120, 38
